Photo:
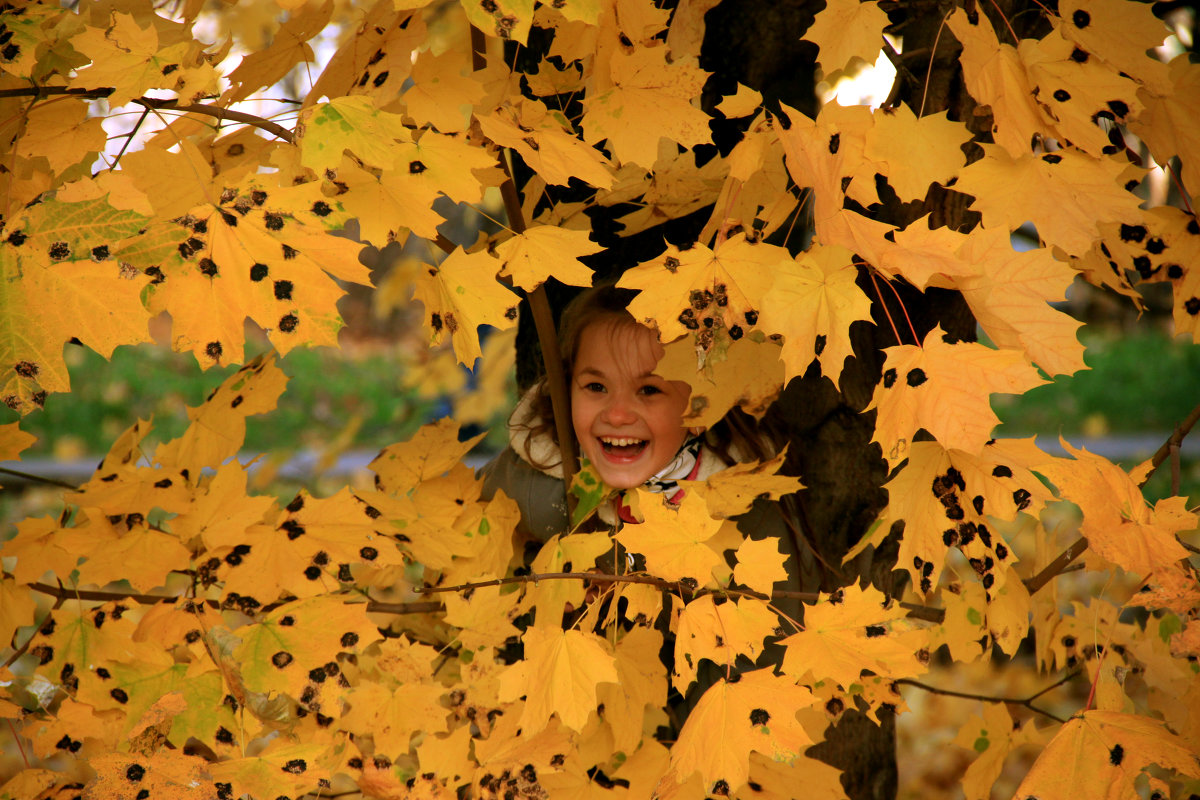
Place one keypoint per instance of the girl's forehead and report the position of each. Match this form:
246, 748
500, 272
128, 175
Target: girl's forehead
635, 348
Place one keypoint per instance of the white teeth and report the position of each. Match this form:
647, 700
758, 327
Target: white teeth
620, 441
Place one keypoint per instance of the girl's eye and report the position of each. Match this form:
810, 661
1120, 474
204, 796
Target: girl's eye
594, 387
648, 389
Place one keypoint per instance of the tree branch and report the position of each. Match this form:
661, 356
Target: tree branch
29, 476
543, 317
1027, 702
163, 104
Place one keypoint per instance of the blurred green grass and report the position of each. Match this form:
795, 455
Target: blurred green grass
327, 392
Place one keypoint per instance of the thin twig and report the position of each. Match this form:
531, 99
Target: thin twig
168, 104
1027, 702
39, 479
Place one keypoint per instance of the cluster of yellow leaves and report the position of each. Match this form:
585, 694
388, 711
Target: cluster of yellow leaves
274, 652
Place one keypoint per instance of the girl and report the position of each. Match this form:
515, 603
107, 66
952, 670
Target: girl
628, 421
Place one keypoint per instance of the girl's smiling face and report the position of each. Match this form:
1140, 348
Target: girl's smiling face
629, 421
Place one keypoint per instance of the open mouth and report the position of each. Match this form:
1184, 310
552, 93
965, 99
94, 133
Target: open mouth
622, 447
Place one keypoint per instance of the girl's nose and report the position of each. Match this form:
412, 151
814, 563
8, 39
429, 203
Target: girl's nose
618, 411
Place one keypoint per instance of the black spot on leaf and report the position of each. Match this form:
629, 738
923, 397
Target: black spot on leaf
889, 378
1081, 19
100, 253
875, 630
915, 377
1192, 305
759, 716
380, 79
258, 272
415, 168
1051, 158
312, 573
321, 209
119, 694
273, 222
1132, 233
819, 344
60, 251
1062, 95
288, 323
26, 369
17, 238
369, 553
294, 529
135, 772
295, 766
835, 142
1001, 471
1116, 755
1079, 56
213, 350
289, 252
281, 659
349, 639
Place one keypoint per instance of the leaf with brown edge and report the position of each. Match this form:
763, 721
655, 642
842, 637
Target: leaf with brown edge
733, 719
945, 389
1099, 754
461, 294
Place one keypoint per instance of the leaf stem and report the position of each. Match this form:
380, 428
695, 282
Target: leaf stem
29, 476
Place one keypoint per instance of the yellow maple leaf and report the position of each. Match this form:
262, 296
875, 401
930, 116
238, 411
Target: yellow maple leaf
289, 46
283, 767
387, 205
992, 736
129, 59
1078, 93
944, 388
1010, 296
64, 134
573, 553
1118, 524
1166, 110
812, 304
169, 773
505, 19
680, 288
178, 182
734, 489
375, 61
547, 142
1118, 33
757, 713
349, 123
641, 683
392, 714
846, 31
746, 373
947, 499
674, 542
218, 426
531, 257
760, 565
1067, 192
995, 76
16, 608
461, 294
559, 675
12, 441
719, 633
852, 630
441, 95
914, 152
1099, 754
59, 281
428, 453
651, 97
